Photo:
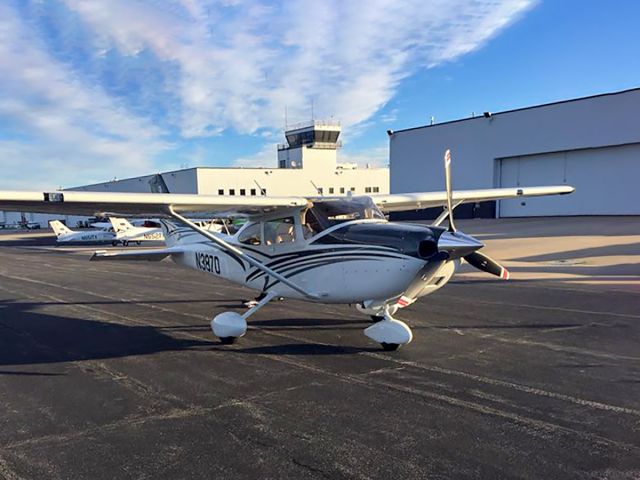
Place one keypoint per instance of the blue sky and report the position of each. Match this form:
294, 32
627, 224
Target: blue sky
91, 90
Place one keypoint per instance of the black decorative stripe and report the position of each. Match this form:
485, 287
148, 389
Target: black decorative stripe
311, 252
312, 267
295, 263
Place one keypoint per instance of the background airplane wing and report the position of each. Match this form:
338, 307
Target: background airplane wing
142, 204
398, 202
156, 254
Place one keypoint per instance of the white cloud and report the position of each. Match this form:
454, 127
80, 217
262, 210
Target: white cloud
241, 63
209, 66
377, 156
265, 157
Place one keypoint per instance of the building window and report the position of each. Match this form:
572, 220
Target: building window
341, 189
263, 191
253, 191
243, 191
376, 189
320, 191
232, 191
220, 191
367, 189
353, 189
330, 189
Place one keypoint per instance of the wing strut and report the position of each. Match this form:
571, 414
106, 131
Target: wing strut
445, 214
236, 251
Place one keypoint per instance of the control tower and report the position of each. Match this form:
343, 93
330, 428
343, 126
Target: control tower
311, 146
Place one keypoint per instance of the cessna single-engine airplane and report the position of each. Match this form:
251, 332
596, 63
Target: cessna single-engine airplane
319, 249
65, 235
125, 232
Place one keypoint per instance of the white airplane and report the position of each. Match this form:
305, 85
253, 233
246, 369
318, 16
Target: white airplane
338, 250
126, 233
65, 235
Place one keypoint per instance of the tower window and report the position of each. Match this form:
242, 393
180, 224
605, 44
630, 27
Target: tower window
376, 189
367, 189
330, 189
221, 191
253, 191
243, 191
283, 163
232, 191
263, 191
353, 189
341, 189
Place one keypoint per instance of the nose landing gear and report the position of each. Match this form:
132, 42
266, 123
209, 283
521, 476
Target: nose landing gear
389, 332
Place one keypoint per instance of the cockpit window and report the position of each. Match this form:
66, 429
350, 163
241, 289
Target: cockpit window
281, 230
251, 235
331, 211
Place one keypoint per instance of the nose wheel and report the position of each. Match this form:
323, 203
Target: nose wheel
390, 333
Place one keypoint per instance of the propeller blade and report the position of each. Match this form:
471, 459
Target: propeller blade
447, 181
487, 264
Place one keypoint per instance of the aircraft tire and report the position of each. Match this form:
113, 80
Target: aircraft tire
390, 347
125, 243
228, 340
377, 318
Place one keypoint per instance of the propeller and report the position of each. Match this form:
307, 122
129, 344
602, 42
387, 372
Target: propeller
487, 264
476, 259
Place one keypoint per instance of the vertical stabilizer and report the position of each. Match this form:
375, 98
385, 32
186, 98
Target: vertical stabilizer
59, 228
120, 224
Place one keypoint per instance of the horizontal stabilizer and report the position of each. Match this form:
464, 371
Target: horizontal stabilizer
153, 255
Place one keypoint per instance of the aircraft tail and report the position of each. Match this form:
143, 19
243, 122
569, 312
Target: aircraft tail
120, 224
59, 228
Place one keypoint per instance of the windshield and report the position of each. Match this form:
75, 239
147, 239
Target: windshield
328, 212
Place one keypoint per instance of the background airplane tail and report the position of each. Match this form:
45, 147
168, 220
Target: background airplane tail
59, 228
120, 224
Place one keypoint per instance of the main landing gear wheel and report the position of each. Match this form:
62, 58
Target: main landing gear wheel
228, 327
390, 347
376, 318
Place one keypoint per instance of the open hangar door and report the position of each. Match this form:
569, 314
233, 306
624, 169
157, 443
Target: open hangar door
607, 182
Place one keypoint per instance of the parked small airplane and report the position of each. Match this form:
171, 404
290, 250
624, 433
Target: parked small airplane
126, 233
318, 249
65, 235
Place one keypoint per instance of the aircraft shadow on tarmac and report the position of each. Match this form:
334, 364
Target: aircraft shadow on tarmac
28, 336
31, 337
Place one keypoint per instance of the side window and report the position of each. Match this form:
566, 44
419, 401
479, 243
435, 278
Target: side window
279, 231
251, 235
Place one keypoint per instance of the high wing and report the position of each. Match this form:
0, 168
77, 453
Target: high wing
397, 202
161, 204
156, 254
142, 204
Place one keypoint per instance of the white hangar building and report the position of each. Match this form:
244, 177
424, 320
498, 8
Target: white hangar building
592, 143
307, 166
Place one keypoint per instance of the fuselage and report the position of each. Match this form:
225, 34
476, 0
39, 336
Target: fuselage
90, 236
347, 263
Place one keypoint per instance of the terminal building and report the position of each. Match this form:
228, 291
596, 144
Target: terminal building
591, 143
307, 166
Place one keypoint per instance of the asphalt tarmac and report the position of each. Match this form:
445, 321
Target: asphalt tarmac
109, 370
